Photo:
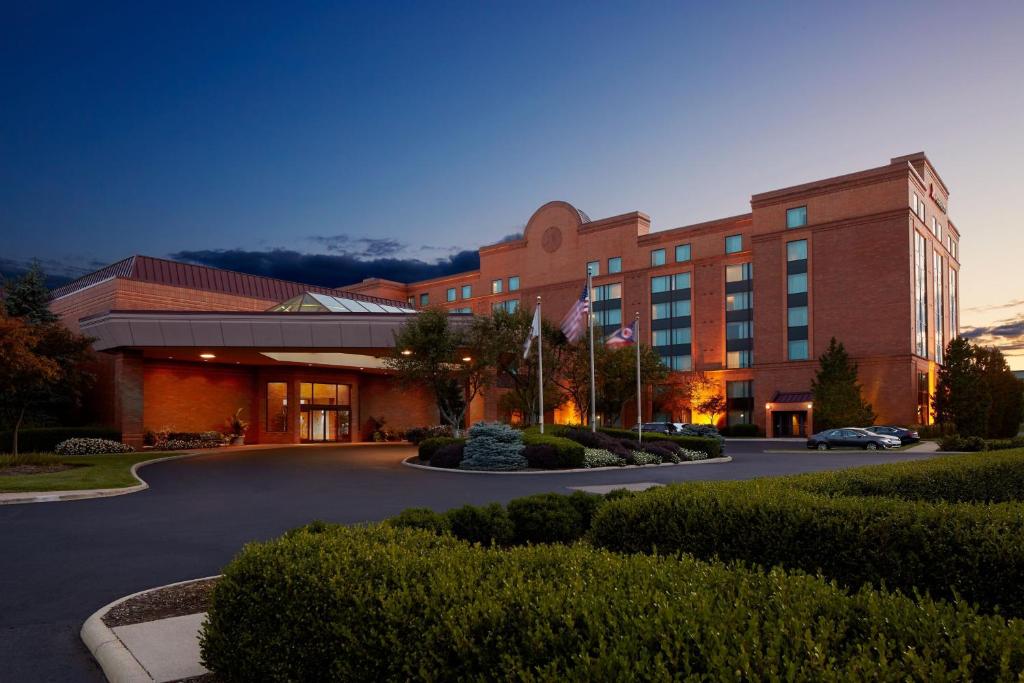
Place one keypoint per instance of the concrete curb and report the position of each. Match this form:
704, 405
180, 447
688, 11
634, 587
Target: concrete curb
618, 468
116, 660
85, 494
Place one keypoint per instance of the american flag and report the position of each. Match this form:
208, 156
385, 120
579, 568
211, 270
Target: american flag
575, 321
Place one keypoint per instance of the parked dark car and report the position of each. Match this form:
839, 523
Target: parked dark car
659, 427
903, 434
851, 437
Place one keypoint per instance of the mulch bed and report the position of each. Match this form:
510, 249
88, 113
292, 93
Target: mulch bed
173, 601
14, 470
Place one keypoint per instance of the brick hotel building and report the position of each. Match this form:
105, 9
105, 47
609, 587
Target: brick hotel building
870, 258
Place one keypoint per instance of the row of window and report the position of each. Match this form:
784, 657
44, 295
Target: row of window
452, 293
918, 206
797, 330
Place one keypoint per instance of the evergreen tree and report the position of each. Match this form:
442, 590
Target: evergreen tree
1005, 392
28, 298
962, 397
837, 394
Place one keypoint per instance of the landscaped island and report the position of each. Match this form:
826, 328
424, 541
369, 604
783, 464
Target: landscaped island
660, 585
492, 446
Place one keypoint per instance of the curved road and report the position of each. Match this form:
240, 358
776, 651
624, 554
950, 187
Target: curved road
59, 562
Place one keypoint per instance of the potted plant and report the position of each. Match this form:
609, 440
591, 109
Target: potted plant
237, 427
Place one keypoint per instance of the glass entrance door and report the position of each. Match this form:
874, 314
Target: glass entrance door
325, 423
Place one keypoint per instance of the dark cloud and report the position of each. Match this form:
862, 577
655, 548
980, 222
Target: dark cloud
329, 270
1008, 335
511, 237
57, 272
996, 307
362, 247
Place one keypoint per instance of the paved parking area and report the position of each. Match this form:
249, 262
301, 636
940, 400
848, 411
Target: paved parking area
62, 561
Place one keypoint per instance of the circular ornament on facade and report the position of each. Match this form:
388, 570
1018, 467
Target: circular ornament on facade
551, 240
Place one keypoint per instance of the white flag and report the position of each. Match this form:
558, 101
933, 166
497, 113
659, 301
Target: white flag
534, 332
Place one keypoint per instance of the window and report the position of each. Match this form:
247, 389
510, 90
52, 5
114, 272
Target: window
450, 294
661, 338
797, 316
611, 316
681, 335
796, 251
509, 306
606, 292
738, 330
424, 299
594, 268
657, 257
733, 244
467, 291
497, 286
914, 201
323, 394
796, 217
740, 301
953, 327
277, 407
682, 253
739, 272
513, 283
939, 276
738, 359
741, 389
467, 309
920, 296
662, 283
615, 264
797, 283
798, 349
680, 363
936, 229
661, 311
681, 309
682, 281
920, 210
411, 300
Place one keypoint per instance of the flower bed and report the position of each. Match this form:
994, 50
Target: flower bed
89, 446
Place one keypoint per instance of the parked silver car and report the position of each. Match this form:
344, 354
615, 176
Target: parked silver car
852, 437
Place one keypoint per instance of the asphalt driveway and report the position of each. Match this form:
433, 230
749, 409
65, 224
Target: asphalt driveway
59, 562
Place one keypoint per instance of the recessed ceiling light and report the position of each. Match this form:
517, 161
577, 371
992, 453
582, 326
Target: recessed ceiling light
207, 356
466, 359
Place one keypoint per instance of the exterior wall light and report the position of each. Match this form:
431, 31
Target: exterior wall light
809, 406
466, 359
406, 352
207, 356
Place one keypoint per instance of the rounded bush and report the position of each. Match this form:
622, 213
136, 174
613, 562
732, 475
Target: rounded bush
488, 525
546, 518
549, 452
448, 456
91, 447
493, 446
600, 457
429, 446
421, 518
386, 604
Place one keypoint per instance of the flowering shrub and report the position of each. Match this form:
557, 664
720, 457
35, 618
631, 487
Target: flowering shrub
645, 458
599, 457
80, 446
687, 454
189, 444
493, 446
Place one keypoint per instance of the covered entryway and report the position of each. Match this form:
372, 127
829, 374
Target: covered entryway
789, 414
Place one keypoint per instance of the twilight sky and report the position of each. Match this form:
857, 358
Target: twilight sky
337, 141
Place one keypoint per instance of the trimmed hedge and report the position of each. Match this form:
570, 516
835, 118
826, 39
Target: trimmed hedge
45, 439
448, 456
378, 603
974, 478
976, 551
712, 446
548, 452
427, 447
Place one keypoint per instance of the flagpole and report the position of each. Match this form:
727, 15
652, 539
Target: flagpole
639, 400
590, 324
540, 366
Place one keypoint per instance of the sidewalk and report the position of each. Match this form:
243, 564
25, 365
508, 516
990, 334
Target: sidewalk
166, 649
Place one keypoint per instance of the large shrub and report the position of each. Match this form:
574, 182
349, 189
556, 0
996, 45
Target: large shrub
975, 478
976, 551
488, 524
91, 447
493, 446
429, 446
378, 603
599, 457
547, 452
45, 439
551, 518
421, 518
449, 456
417, 434
955, 443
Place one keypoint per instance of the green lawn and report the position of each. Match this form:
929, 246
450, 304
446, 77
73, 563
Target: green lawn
90, 472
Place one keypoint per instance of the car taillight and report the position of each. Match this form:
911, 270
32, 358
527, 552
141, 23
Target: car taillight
913, 434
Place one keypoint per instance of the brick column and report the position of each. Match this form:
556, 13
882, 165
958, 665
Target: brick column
128, 396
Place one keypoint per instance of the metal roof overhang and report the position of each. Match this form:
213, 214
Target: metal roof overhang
243, 330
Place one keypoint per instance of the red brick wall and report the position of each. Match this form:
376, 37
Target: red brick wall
402, 408
196, 397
